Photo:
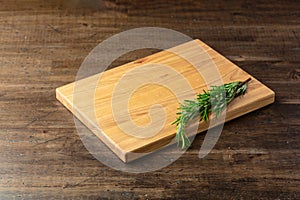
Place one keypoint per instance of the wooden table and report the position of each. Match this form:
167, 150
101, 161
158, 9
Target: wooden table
43, 43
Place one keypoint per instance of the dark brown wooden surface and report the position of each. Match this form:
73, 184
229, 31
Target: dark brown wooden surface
42, 44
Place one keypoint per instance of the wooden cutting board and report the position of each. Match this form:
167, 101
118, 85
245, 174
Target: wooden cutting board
123, 96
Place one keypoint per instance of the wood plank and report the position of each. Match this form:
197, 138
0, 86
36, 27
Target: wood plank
123, 143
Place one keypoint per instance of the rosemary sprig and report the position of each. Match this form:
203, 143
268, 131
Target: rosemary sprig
212, 101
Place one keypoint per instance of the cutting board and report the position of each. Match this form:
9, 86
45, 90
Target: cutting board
133, 105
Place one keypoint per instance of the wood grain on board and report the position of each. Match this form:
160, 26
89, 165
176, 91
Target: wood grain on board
92, 99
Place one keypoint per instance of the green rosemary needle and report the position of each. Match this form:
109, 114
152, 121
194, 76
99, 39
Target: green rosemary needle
209, 102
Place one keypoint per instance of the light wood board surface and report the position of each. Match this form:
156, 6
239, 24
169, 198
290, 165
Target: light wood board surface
116, 104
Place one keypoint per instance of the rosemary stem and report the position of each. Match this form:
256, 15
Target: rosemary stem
246, 81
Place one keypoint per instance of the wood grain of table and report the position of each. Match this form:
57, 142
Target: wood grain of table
43, 43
